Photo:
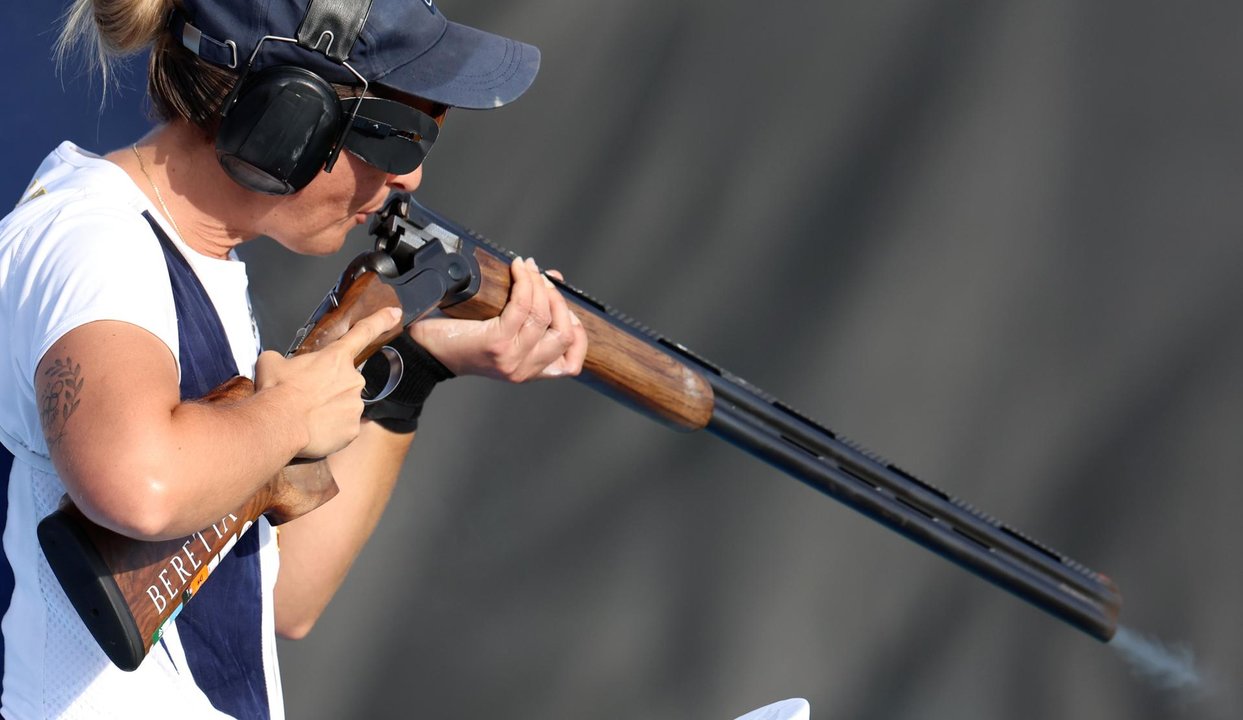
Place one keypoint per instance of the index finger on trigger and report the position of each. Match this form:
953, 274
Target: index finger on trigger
369, 329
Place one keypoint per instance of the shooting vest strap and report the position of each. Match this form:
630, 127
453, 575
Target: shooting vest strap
7, 580
221, 629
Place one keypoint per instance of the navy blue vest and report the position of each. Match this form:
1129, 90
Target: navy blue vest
222, 627
6, 570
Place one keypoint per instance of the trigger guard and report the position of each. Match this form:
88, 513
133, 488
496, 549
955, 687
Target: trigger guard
386, 382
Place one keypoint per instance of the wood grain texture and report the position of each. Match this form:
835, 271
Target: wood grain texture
618, 364
359, 298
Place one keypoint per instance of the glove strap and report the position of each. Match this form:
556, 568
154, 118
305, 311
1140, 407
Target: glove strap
419, 371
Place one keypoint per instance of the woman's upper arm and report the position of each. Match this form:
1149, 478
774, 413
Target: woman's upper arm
105, 392
94, 323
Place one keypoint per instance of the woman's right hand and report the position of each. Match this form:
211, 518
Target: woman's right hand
324, 387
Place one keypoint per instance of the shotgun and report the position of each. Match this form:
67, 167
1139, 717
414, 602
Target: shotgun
112, 581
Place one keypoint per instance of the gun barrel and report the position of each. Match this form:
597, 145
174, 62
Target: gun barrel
900, 501
763, 426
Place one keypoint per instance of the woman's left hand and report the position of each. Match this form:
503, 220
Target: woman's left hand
536, 335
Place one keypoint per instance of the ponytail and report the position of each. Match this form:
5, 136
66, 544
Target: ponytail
107, 30
179, 84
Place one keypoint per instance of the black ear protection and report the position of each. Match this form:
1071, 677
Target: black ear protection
281, 130
283, 124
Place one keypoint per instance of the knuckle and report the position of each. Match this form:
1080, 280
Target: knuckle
509, 367
503, 366
539, 320
343, 355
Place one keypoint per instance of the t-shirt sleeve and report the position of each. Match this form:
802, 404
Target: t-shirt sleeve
91, 263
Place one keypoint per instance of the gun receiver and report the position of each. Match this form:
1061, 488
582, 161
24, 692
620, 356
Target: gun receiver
668, 382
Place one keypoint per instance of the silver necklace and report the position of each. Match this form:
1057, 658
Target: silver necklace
158, 196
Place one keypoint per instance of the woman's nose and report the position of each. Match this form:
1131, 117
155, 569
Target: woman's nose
407, 182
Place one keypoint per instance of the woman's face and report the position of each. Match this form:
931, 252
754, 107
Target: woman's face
315, 220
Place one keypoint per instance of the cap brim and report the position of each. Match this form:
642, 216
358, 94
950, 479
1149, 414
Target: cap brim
468, 68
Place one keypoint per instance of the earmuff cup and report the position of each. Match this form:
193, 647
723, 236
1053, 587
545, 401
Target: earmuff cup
277, 135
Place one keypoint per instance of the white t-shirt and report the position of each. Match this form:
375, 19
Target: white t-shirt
76, 250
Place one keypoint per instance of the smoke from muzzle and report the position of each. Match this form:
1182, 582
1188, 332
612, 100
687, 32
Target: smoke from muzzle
1169, 669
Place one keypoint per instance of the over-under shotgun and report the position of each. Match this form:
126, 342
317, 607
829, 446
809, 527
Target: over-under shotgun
127, 590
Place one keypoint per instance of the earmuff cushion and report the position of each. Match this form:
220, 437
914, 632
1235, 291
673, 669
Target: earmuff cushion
279, 132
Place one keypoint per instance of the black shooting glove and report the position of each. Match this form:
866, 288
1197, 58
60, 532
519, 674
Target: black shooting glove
418, 370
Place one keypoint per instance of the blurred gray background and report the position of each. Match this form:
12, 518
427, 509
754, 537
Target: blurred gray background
998, 243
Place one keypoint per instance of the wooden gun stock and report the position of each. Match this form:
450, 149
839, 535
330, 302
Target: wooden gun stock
127, 590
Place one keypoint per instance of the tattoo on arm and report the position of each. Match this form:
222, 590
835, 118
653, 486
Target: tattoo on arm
62, 388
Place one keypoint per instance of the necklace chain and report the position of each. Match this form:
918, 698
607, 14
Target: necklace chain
158, 196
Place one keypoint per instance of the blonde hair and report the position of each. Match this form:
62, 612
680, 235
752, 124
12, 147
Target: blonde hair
108, 30
179, 83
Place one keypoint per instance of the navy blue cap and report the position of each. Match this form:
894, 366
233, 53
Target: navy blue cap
407, 45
